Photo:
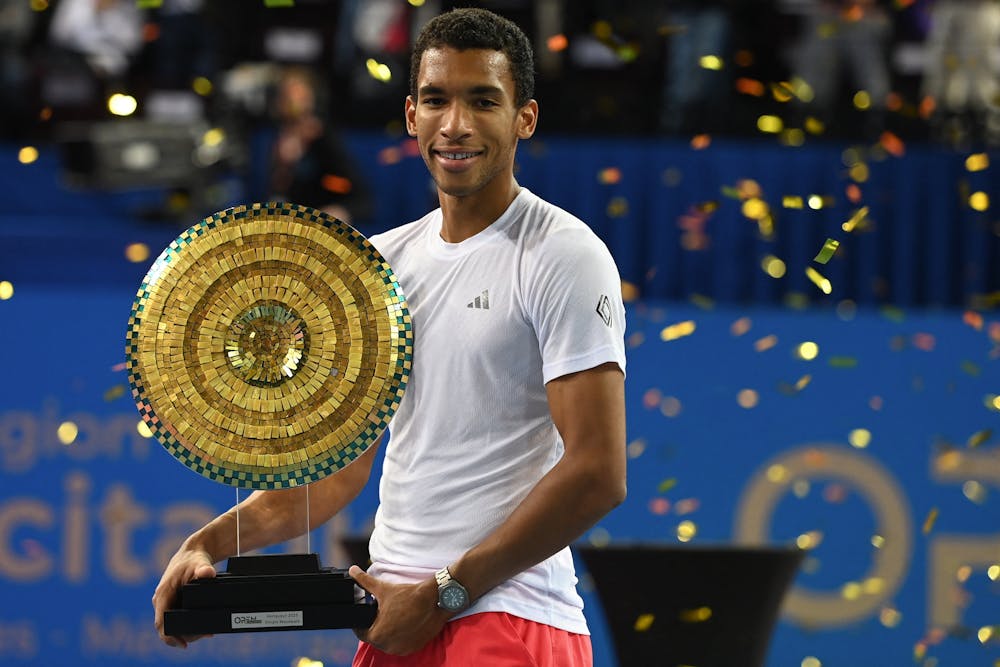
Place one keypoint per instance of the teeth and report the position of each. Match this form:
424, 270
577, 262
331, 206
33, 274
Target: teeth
457, 156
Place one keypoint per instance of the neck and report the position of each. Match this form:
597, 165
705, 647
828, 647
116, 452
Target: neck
465, 216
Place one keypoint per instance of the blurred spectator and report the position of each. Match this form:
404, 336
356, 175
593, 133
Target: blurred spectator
183, 47
95, 42
838, 35
15, 31
962, 76
695, 82
309, 164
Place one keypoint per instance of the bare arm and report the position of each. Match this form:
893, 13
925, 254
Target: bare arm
266, 517
588, 408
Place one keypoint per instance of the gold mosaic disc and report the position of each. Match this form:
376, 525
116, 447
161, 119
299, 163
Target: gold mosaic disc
268, 346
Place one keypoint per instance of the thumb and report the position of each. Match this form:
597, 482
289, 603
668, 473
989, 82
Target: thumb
363, 579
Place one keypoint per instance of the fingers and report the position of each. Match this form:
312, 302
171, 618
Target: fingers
363, 579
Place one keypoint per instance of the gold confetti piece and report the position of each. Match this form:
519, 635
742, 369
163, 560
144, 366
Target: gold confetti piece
977, 162
765, 343
27, 155
843, 362
777, 473
809, 540
710, 62
919, 651
666, 485
773, 266
815, 126
826, 253
810, 661
817, 279
862, 100
979, 437
635, 448
807, 351
143, 429
137, 252
855, 219
755, 208
697, 615
878, 541
599, 537
378, 71
686, 530
993, 572
851, 590
859, 438
859, 172
630, 291
803, 382
644, 622
770, 124
781, 92
791, 201
792, 136
986, 633
114, 392
6, 290
930, 520
679, 330
67, 433
979, 201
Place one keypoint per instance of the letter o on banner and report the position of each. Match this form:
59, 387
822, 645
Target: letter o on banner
874, 484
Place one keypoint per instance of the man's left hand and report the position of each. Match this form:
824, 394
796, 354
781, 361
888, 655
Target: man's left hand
408, 616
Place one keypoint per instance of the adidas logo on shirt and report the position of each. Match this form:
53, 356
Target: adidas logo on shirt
482, 301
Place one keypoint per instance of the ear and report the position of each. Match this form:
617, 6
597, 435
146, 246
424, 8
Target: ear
527, 119
410, 114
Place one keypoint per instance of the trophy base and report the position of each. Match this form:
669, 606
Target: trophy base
269, 593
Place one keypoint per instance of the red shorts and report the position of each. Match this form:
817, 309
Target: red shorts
493, 639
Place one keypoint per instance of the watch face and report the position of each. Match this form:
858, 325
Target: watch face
452, 598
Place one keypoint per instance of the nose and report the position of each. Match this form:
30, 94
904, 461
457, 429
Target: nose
457, 122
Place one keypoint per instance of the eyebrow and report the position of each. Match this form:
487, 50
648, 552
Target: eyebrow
475, 90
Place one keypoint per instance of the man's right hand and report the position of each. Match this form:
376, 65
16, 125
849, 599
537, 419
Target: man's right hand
186, 564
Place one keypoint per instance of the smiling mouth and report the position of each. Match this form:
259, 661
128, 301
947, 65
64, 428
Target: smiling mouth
464, 155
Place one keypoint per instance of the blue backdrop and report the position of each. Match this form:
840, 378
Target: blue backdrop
863, 432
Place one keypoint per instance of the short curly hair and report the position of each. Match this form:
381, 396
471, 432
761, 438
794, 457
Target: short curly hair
472, 28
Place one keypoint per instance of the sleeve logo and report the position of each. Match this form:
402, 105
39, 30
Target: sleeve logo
604, 309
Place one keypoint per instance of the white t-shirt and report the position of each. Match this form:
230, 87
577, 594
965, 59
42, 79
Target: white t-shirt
534, 296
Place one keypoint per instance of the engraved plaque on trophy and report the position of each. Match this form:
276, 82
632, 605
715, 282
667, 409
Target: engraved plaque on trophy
268, 347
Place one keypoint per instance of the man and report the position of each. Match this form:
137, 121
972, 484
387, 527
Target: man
510, 440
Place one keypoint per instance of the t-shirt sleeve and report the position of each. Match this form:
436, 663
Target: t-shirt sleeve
574, 299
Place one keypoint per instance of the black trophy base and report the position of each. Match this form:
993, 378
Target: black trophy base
269, 593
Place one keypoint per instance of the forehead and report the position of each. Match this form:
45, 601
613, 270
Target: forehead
449, 68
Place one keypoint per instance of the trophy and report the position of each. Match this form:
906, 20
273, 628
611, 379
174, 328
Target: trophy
268, 347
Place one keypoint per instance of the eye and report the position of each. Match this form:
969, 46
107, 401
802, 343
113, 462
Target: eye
486, 103
432, 101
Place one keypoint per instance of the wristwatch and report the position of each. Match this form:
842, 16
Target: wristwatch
452, 595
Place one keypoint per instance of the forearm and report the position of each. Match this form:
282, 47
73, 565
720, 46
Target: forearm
566, 503
270, 517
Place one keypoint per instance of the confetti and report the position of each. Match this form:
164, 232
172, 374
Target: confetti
930, 520
792, 201
859, 438
979, 437
765, 343
666, 485
670, 406
856, 219
773, 266
686, 530
747, 398
827, 251
376, 70
748, 86
609, 176
114, 392
679, 330
644, 622
137, 252
687, 506
336, 184
697, 615
892, 144
6, 290
817, 278
701, 141
973, 319
979, 201
27, 155
740, 326
557, 43
977, 162
843, 362
659, 506
67, 433
770, 124
279, 3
